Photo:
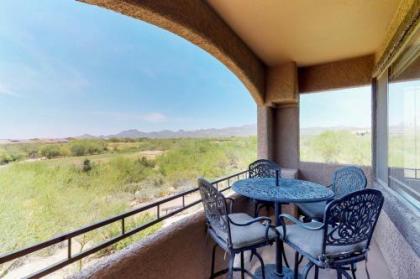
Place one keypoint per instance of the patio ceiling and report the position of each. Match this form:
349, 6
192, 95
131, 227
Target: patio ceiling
306, 31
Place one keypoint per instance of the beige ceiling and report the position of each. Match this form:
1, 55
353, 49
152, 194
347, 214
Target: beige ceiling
308, 31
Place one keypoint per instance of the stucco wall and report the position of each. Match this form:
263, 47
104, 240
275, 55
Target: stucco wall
198, 23
339, 74
282, 84
286, 136
398, 235
322, 173
264, 132
181, 250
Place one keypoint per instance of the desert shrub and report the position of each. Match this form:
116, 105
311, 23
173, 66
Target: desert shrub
5, 157
49, 197
146, 163
87, 147
78, 149
343, 147
86, 165
51, 151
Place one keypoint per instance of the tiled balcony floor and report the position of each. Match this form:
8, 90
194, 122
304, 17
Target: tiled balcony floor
376, 264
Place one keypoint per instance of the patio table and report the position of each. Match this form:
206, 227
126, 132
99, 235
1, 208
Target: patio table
281, 191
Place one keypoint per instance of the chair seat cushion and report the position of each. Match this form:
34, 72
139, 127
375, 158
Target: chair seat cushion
245, 236
314, 210
310, 241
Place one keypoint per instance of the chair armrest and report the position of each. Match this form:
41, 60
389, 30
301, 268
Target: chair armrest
266, 222
297, 222
230, 201
256, 220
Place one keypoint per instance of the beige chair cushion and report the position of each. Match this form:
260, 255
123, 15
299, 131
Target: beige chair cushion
245, 236
310, 241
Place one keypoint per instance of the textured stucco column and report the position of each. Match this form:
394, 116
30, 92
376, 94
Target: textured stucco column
286, 136
281, 93
264, 132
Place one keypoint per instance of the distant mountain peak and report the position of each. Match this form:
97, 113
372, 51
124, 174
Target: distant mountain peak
239, 131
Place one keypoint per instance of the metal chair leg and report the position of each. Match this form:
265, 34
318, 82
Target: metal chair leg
341, 273
251, 255
213, 260
296, 269
283, 252
242, 266
316, 272
353, 270
300, 259
230, 268
261, 263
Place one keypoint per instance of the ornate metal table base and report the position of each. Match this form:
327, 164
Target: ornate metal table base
270, 272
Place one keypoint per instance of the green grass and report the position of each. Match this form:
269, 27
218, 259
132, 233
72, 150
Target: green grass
43, 198
336, 147
46, 197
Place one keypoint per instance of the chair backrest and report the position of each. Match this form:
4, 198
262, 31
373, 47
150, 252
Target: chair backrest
263, 168
348, 180
352, 219
215, 208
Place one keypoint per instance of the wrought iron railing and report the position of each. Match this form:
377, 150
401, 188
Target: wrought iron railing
415, 173
71, 258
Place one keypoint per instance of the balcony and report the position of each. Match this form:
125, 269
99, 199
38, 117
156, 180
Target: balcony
183, 250
279, 51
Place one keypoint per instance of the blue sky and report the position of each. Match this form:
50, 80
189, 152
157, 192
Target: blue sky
67, 68
349, 107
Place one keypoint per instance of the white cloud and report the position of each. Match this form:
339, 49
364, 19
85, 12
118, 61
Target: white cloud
4, 90
155, 117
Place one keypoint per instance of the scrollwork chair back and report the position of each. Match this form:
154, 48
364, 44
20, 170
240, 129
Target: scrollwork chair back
215, 208
347, 180
352, 219
263, 169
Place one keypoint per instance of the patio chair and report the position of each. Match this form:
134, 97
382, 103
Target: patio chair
263, 169
233, 232
345, 180
342, 240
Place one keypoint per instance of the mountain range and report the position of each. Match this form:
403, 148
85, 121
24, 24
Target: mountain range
239, 131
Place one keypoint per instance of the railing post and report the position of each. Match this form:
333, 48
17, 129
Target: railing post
123, 226
183, 201
69, 248
158, 211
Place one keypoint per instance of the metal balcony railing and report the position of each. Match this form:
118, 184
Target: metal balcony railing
71, 258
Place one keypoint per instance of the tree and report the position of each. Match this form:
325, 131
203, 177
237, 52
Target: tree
51, 151
327, 144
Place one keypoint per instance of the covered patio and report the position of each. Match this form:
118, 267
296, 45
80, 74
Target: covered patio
281, 50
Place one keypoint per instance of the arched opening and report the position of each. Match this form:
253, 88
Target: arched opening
102, 114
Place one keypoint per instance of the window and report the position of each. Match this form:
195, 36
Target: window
335, 126
404, 125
